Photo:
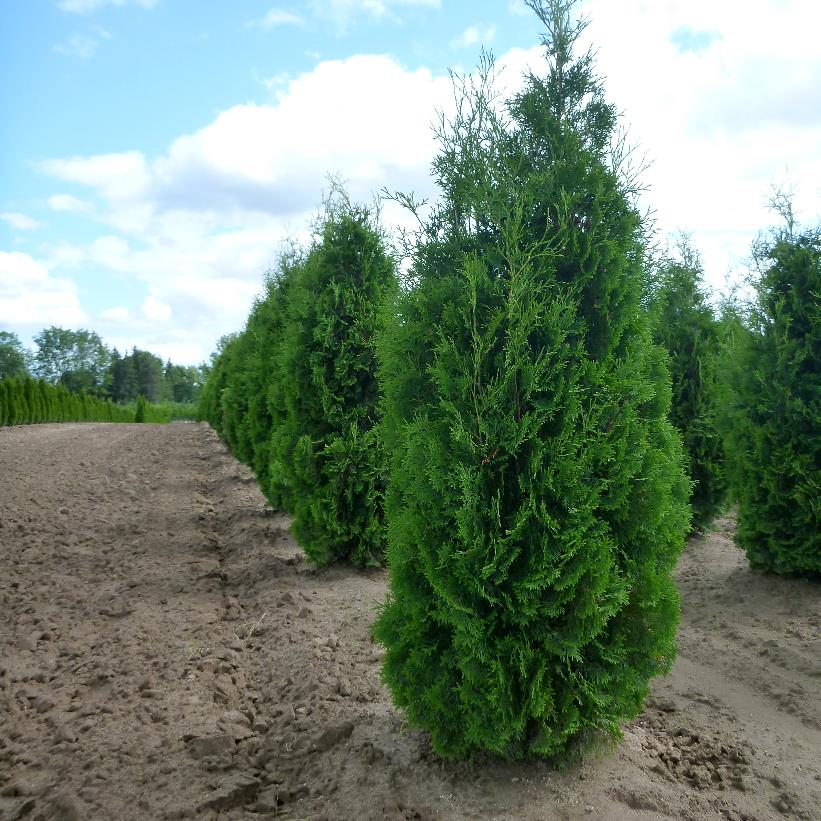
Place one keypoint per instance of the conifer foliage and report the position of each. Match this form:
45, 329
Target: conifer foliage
30, 401
687, 328
328, 446
295, 393
774, 408
141, 411
537, 499
241, 398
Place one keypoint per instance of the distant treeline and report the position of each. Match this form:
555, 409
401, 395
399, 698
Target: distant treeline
79, 360
28, 401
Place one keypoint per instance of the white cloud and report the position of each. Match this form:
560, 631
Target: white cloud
20, 222
30, 296
720, 123
66, 202
343, 12
155, 310
83, 46
199, 224
116, 176
87, 6
118, 314
474, 35
277, 17
80, 46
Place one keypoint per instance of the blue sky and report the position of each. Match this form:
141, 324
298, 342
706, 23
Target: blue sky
154, 154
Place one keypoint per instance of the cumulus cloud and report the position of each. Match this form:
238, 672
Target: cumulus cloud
518, 8
21, 222
720, 124
155, 310
474, 35
200, 223
277, 17
117, 314
343, 12
31, 296
116, 176
65, 202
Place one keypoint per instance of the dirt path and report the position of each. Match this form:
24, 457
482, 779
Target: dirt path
166, 652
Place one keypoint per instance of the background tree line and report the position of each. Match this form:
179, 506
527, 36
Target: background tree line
80, 361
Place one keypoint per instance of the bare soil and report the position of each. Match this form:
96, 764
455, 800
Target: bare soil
167, 652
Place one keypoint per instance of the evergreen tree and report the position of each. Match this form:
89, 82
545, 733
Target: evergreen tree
250, 364
150, 375
685, 325
142, 409
327, 446
64, 403
773, 424
11, 400
537, 499
271, 408
32, 394
209, 407
183, 383
4, 403
22, 411
233, 399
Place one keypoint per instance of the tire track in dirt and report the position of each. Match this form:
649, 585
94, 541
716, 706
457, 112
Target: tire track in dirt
167, 652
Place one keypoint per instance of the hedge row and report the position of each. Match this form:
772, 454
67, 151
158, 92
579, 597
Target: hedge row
499, 426
295, 394
499, 423
687, 327
772, 407
28, 402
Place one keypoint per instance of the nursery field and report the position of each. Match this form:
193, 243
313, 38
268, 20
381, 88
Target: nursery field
167, 651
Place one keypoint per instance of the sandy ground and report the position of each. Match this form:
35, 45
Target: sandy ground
166, 652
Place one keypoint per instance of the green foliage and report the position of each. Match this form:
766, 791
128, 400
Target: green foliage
254, 395
30, 401
14, 359
294, 394
537, 499
31, 392
208, 406
142, 409
139, 373
685, 325
773, 417
173, 411
327, 448
234, 398
78, 359
183, 383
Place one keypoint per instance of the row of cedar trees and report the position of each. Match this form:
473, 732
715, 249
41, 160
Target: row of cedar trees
29, 401
497, 427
